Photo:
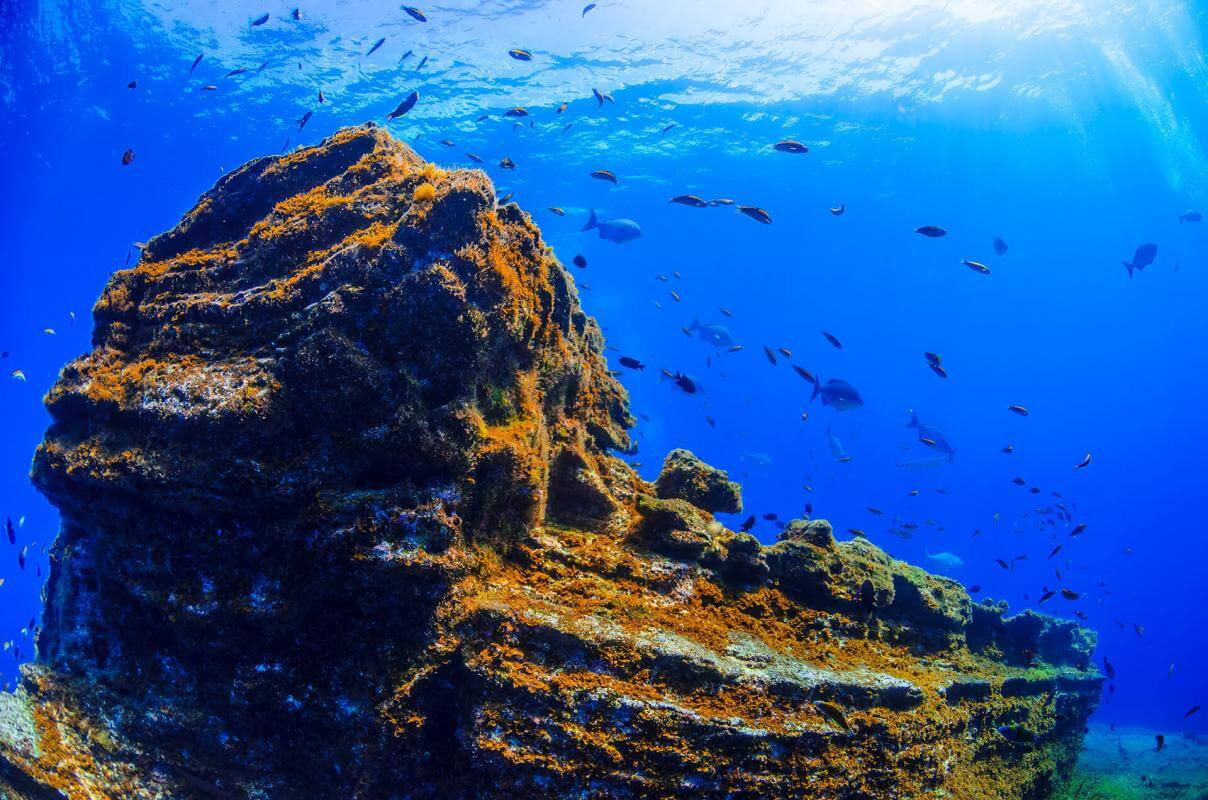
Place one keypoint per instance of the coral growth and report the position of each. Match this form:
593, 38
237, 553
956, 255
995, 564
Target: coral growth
341, 518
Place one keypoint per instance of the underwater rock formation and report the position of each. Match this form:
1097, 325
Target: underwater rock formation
342, 518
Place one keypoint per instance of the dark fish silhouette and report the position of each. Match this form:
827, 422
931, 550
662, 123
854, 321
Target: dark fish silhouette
579, 261
931, 433
805, 373
614, 230
833, 340
756, 213
415, 14
668, 128
132, 85
1000, 246
127, 158
12, 532
839, 209
305, 119
196, 61
631, 363
931, 231
296, 13
408, 103
712, 333
838, 394
587, 8
520, 54
376, 45
832, 713
1142, 258
259, 21
604, 175
790, 146
1190, 216
689, 200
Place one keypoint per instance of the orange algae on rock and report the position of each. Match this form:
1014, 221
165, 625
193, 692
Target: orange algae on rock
342, 518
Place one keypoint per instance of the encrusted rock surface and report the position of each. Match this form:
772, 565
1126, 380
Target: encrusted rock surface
686, 477
341, 519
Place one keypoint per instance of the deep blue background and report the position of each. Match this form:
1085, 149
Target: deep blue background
1073, 175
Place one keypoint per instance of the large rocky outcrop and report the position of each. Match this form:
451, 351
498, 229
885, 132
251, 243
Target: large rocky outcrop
341, 519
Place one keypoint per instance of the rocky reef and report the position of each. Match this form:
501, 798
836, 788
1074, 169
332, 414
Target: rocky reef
343, 516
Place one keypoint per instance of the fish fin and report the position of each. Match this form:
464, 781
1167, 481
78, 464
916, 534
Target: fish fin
914, 419
695, 324
592, 222
817, 387
1128, 267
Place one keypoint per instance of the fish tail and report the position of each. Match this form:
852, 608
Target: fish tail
592, 222
817, 387
914, 419
1128, 266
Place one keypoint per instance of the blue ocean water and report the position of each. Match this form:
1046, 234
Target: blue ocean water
1074, 131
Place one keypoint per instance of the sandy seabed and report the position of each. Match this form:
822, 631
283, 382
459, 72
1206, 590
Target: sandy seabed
1124, 764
